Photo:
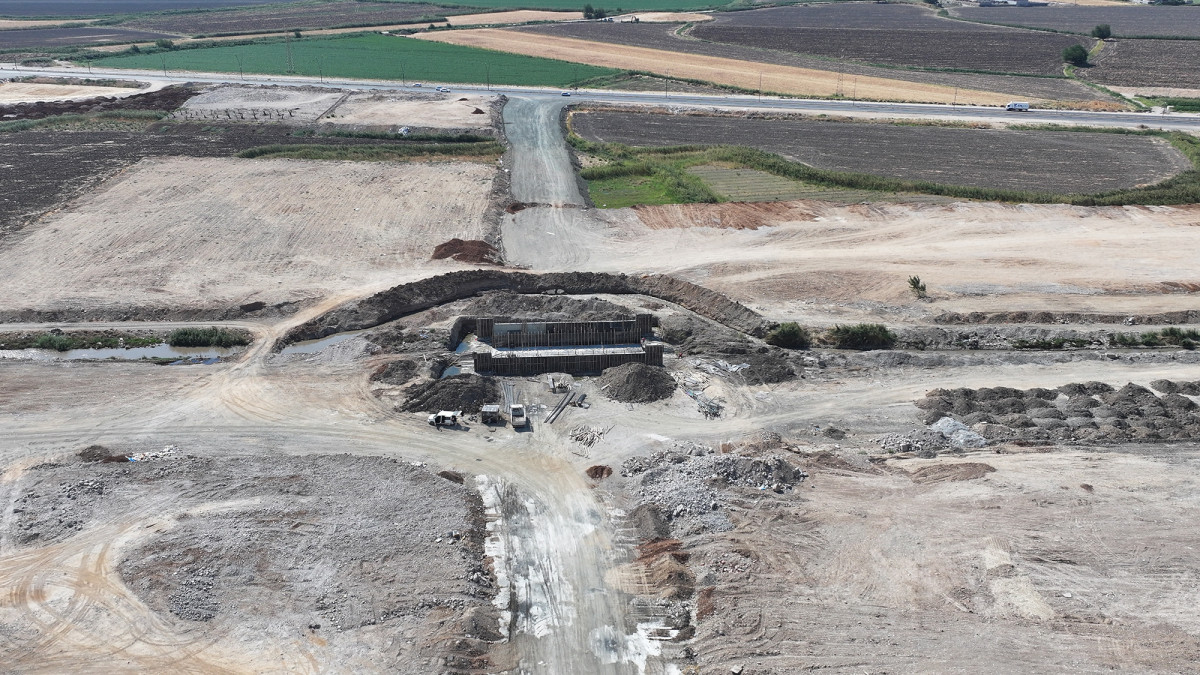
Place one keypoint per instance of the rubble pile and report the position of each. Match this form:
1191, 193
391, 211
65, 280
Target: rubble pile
688, 484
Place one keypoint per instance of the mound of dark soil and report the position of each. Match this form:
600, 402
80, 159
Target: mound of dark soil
505, 306
467, 393
166, 100
396, 373
637, 383
468, 251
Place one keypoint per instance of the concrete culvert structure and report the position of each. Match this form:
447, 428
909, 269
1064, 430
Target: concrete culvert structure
637, 383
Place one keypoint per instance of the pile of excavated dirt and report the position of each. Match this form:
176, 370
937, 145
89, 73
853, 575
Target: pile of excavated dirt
396, 373
1170, 387
637, 383
505, 306
166, 99
1087, 412
468, 251
693, 335
468, 393
685, 492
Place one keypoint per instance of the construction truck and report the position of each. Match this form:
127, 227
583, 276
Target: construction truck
445, 418
516, 415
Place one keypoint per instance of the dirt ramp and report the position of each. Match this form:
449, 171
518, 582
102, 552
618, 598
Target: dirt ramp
438, 290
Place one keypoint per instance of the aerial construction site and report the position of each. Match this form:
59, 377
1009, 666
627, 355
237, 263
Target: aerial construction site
311, 376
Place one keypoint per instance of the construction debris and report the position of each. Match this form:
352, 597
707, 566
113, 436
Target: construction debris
588, 435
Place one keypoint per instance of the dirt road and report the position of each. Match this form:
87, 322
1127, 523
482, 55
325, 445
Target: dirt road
556, 232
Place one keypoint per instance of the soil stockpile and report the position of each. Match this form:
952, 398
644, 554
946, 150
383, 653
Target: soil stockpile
1087, 412
469, 251
637, 383
396, 373
166, 100
505, 307
721, 351
468, 393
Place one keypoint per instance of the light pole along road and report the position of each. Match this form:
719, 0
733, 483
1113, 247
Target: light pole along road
1169, 122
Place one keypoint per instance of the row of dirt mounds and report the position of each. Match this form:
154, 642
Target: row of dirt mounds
1043, 317
468, 251
1088, 412
438, 290
259, 543
467, 392
637, 383
165, 100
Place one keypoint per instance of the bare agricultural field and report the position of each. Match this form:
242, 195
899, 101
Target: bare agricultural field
303, 16
63, 37
664, 37
80, 8
847, 15
784, 79
1000, 158
211, 234
1126, 21
1008, 51
1148, 63
19, 92
515, 16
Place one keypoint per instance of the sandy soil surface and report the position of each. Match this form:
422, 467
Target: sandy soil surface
665, 17
518, 16
224, 231
783, 79
972, 256
16, 24
20, 92
450, 111
304, 104
1157, 91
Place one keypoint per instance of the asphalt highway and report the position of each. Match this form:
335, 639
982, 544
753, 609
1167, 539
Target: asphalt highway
1173, 121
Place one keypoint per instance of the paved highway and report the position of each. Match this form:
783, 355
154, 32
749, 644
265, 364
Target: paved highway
1174, 121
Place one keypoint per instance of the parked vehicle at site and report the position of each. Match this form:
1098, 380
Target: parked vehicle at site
445, 418
516, 415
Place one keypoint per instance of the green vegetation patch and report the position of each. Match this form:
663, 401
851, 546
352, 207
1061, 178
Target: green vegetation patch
370, 56
208, 337
374, 153
1167, 337
62, 342
107, 118
1177, 104
862, 336
790, 335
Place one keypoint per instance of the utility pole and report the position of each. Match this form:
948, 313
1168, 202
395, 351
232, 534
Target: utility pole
488, 71
288, 46
164, 64
760, 86
241, 70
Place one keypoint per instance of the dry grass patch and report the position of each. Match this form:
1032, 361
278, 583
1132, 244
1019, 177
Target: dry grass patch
782, 79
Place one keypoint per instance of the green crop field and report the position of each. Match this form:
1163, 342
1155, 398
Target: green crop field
371, 57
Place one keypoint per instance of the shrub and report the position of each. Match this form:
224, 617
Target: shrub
861, 336
917, 287
206, 337
59, 343
790, 335
163, 43
1075, 55
1102, 32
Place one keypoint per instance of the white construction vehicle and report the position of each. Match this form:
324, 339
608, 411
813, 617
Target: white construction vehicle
445, 418
516, 415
